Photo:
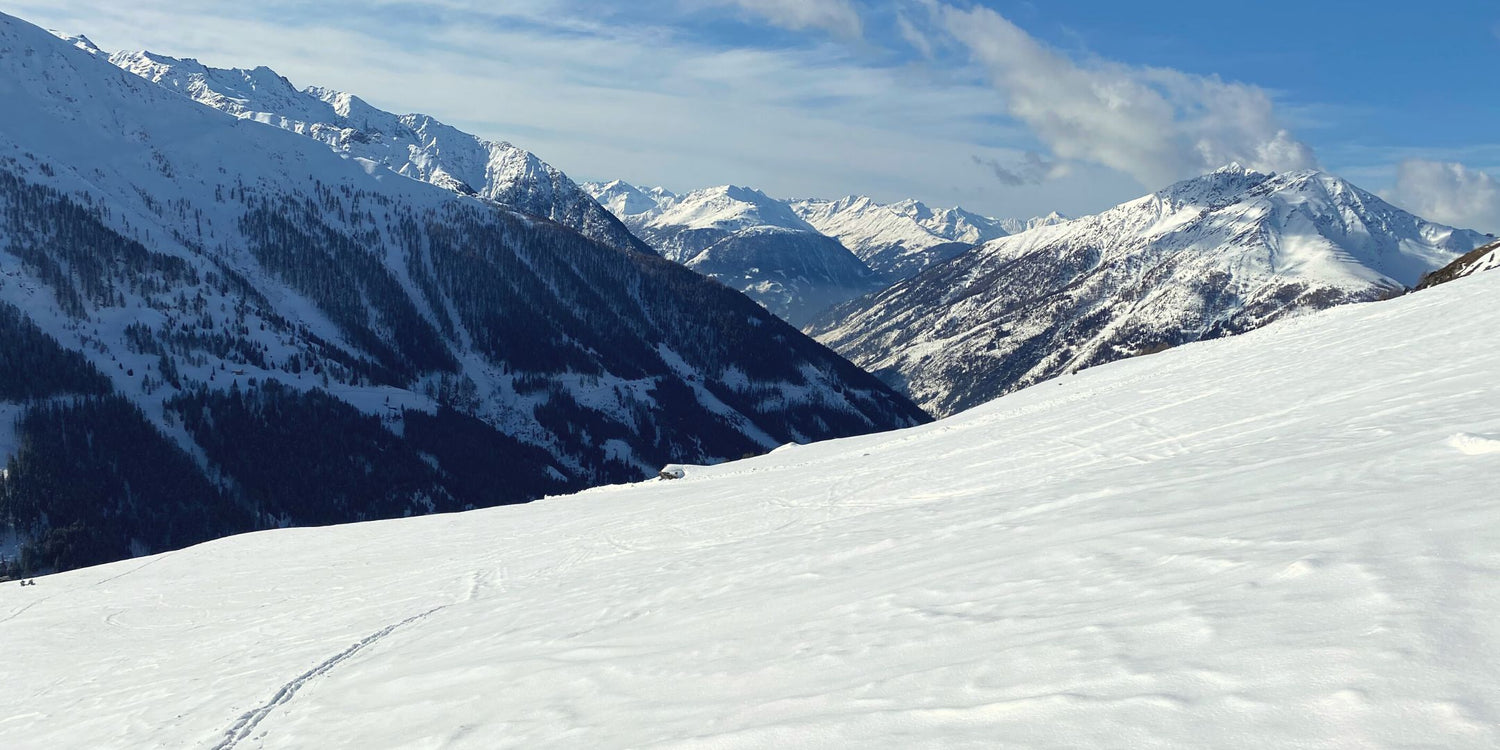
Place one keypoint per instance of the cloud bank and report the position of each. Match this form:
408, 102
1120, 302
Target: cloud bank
940, 100
1155, 124
836, 16
1449, 193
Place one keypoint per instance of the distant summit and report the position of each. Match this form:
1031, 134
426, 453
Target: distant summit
898, 240
1216, 255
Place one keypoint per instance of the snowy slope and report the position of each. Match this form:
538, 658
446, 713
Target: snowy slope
1217, 255
1283, 540
204, 262
1486, 258
413, 145
898, 240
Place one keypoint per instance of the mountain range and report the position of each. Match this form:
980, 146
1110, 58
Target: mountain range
1285, 539
413, 145
209, 270
895, 240
1208, 257
226, 324
798, 257
898, 240
747, 240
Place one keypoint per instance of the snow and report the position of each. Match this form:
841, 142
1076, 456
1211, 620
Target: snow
1475, 445
729, 208
1271, 540
1213, 255
628, 202
1017, 226
898, 239
1486, 258
413, 145
1488, 262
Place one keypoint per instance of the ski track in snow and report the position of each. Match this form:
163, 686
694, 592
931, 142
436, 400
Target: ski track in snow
244, 727
248, 722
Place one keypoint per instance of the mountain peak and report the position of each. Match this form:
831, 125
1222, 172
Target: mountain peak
1233, 167
411, 145
1228, 251
625, 200
80, 41
1215, 188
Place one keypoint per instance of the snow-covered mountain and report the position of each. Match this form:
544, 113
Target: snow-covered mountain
747, 240
1285, 539
689, 224
1017, 226
219, 325
795, 274
1486, 258
898, 240
633, 205
1212, 256
413, 145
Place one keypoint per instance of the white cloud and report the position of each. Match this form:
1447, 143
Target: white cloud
1448, 192
1157, 125
913, 35
837, 16
608, 90
602, 97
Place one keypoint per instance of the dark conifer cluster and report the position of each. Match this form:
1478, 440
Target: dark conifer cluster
615, 362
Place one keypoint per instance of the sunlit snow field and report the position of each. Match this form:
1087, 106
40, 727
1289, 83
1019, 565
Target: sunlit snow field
1286, 539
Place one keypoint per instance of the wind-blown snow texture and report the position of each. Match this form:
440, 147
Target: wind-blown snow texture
178, 248
413, 145
1217, 255
1283, 539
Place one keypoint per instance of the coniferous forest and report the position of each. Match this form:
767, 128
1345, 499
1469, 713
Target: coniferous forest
191, 402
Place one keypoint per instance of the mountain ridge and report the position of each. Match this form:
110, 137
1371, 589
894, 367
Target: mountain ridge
414, 145
901, 239
386, 346
747, 240
1207, 257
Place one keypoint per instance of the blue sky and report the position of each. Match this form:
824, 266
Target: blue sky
1012, 108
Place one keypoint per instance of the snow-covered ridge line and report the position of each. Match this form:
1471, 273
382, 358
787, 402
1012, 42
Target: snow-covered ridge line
900, 239
747, 240
413, 145
895, 240
1208, 257
1485, 258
